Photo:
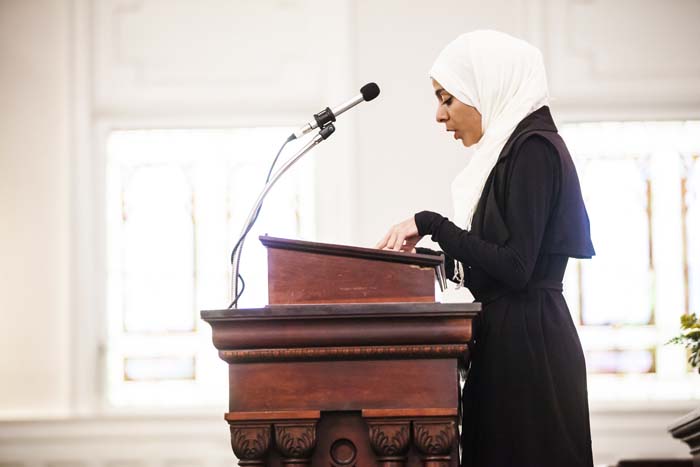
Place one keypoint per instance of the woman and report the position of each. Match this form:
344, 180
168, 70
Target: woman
519, 216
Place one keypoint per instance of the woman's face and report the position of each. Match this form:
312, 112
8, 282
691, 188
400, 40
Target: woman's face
461, 119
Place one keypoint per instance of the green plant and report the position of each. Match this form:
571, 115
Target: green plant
690, 338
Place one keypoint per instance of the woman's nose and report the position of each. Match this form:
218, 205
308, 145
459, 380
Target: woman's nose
441, 114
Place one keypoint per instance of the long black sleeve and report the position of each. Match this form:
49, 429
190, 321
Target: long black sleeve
528, 204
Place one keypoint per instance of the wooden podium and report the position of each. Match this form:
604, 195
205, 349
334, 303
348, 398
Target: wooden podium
352, 364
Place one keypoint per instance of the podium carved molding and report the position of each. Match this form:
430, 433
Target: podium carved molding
334, 353
434, 437
390, 441
295, 441
250, 442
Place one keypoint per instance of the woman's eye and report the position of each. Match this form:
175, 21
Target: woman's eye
447, 101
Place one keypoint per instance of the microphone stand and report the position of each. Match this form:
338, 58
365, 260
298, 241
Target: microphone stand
322, 135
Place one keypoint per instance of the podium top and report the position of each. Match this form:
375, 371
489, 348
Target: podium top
346, 311
429, 261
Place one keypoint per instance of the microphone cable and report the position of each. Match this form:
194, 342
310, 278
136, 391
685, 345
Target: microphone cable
239, 244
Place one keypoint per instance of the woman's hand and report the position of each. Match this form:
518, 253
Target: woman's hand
401, 237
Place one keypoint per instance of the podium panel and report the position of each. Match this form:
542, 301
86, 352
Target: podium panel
308, 272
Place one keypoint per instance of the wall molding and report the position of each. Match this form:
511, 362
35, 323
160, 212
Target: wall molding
636, 70
634, 431
139, 441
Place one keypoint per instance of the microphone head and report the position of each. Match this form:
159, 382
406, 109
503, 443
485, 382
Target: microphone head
369, 91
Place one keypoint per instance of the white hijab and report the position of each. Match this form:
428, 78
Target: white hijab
504, 79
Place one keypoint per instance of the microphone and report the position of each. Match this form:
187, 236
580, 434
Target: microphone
368, 92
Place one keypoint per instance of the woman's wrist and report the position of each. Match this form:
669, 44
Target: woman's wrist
425, 221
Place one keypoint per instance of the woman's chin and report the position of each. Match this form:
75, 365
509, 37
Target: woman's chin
469, 142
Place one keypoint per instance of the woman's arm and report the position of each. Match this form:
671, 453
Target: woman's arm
528, 204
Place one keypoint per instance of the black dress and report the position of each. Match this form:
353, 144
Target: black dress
525, 400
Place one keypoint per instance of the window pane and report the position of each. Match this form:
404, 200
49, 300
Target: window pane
159, 258
176, 201
617, 283
620, 361
628, 299
162, 368
690, 193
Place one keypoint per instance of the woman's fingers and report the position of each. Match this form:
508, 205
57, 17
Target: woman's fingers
397, 235
382, 243
410, 243
398, 246
392, 239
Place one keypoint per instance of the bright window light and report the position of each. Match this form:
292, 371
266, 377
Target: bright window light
176, 201
640, 182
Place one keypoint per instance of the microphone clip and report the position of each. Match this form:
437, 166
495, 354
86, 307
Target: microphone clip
327, 130
324, 117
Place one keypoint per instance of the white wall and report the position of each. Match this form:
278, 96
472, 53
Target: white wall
70, 66
35, 180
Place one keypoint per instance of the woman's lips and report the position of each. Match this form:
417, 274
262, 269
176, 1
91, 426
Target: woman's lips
455, 135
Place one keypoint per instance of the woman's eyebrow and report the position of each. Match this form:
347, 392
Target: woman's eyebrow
438, 92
